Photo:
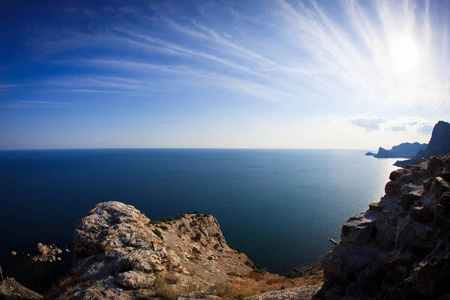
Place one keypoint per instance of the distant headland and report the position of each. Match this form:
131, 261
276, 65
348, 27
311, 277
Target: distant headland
417, 152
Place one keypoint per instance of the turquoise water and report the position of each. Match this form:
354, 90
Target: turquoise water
278, 206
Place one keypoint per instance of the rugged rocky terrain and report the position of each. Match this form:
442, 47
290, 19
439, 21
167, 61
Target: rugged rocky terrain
400, 247
121, 254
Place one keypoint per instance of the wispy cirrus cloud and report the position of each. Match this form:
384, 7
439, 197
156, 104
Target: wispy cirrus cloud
27, 104
306, 47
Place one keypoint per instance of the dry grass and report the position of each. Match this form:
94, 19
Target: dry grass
258, 281
165, 290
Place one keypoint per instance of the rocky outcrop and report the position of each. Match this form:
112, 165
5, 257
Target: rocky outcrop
121, 254
439, 144
47, 253
400, 247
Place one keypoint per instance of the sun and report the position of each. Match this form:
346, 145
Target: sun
404, 52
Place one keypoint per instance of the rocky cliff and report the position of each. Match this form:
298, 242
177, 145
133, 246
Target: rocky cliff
439, 144
400, 247
121, 254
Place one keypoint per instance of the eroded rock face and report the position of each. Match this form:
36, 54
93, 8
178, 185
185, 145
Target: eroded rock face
400, 247
121, 254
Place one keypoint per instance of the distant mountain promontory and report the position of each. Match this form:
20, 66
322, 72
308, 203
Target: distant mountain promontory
406, 150
439, 144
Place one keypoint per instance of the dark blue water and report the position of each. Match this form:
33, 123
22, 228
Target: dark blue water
278, 206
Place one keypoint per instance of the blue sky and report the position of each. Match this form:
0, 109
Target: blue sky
222, 74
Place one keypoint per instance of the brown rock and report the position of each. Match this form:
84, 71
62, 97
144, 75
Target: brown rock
396, 174
398, 268
376, 207
392, 188
434, 164
358, 229
444, 205
332, 265
439, 187
408, 199
426, 234
422, 214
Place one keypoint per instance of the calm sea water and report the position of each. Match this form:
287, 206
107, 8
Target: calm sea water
278, 206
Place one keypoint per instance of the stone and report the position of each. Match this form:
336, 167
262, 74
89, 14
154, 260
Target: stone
46, 253
135, 280
392, 188
358, 229
332, 265
422, 214
439, 187
398, 268
426, 234
408, 199
434, 164
376, 207
444, 205
396, 174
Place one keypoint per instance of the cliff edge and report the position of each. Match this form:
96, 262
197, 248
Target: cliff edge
400, 247
121, 254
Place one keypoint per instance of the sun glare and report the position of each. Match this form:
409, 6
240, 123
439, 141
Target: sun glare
404, 54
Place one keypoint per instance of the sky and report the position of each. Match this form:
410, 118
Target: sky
342, 74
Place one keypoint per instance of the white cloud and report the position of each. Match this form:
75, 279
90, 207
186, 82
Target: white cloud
368, 124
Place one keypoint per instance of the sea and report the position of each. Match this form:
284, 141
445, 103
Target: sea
279, 207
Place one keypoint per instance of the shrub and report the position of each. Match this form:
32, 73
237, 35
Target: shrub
261, 269
164, 290
193, 223
250, 263
172, 279
196, 251
197, 237
163, 227
158, 233
170, 219
164, 219
221, 290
